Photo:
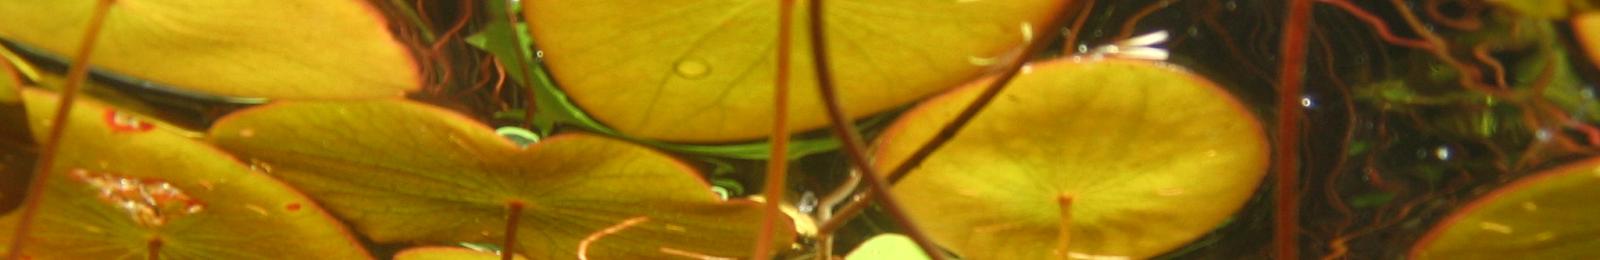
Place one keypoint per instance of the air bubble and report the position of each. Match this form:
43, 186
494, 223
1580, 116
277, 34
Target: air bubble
693, 69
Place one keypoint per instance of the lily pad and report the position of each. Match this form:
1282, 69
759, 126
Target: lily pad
248, 48
703, 70
121, 183
447, 253
888, 247
1153, 156
1587, 28
401, 171
1549, 215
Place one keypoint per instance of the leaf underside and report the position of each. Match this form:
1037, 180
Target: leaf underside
402, 171
1549, 215
1153, 156
703, 70
244, 48
1587, 29
236, 213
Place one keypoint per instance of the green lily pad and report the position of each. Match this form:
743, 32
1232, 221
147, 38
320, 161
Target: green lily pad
1153, 156
121, 182
249, 48
1587, 29
447, 253
888, 247
402, 171
1549, 215
703, 70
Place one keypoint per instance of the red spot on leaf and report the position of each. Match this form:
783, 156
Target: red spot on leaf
292, 207
124, 122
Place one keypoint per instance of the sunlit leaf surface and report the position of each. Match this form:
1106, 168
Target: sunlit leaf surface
446, 253
702, 70
250, 48
1153, 155
121, 182
402, 171
888, 247
1587, 29
1550, 215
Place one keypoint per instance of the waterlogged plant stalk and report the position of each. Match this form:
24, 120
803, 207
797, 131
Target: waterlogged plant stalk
1286, 220
850, 140
825, 211
1010, 71
153, 249
1070, 44
778, 157
1064, 237
513, 215
531, 99
52, 145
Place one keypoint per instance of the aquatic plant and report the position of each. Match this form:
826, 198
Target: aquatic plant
712, 129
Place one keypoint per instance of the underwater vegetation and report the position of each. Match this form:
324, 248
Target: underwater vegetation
783, 129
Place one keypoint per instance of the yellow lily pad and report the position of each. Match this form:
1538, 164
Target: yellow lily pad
245, 48
703, 70
1587, 29
1153, 156
401, 171
447, 253
888, 247
121, 183
1549, 215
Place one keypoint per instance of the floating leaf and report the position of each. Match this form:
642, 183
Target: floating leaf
1550, 215
702, 70
1153, 156
888, 247
1587, 29
115, 191
251, 48
17, 150
402, 171
447, 253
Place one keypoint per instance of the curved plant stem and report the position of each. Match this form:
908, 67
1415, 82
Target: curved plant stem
530, 102
825, 211
1378, 25
989, 92
153, 249
844, 215
1133, 21
994, 88
850, 140
1070, 44
508, 249
778, 158
1287, 168
1064, 235
58, 125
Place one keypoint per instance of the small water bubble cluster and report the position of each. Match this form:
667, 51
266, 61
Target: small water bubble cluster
151, 203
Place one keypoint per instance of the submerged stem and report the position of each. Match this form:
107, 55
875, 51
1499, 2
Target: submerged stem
850, 140
778, 157
153, 249
1286, 223
949, 131
1064, 238
78, 72
508, 249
